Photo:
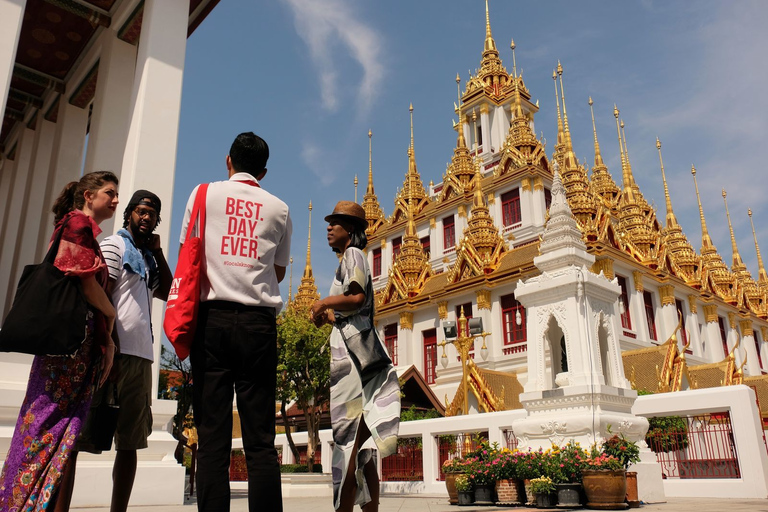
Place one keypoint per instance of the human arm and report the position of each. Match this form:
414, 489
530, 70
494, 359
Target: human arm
166, 276
280, 272
352, 299
97, 297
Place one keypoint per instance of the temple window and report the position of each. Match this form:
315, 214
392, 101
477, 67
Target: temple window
513, 321
430, 355
683, 332
650, 316
449, 234
396, 243
547, 198
626, 319
757, 347
479, 136
425, 245
723, 336
376, 262
390, 341
510, 207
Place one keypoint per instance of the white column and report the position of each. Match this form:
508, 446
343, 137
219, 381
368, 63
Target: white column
150, 152
537, 204
668, 322
11, 16
15, 206
65, 164
748, 342
6, 184
33, 208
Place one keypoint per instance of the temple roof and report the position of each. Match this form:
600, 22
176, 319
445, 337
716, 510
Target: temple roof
494, 391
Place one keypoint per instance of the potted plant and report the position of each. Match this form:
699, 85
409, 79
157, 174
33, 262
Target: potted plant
451, 469
465, 493
529, 467
483, 481
571, 459
509, 488
545, 491
628, 453
605, 482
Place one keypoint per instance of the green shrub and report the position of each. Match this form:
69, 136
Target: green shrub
542, 486
300, 468
667, 434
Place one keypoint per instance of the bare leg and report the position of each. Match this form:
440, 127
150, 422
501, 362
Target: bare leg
372, 479
123, 475
67, 483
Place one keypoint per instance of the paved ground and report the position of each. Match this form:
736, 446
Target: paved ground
435, 504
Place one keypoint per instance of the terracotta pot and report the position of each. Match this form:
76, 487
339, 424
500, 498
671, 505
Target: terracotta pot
466, 497
450, 484
633, 500
484, 494
546, 500
530, 499
510, 492
569, 495
605, 490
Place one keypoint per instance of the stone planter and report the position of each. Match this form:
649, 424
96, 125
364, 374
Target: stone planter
484, 494
633, 499
546, 500
569, 495
450, 485
605, 490
530, 499
465, 497
510, 492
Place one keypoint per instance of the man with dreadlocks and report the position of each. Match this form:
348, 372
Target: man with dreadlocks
137, 272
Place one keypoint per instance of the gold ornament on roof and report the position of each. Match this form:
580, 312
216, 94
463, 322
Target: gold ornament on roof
482, 247
602, 182
413, 188
461, 170
762, 279
307, 294
373, 212
715, 275
521, 149
746, 287
675, 252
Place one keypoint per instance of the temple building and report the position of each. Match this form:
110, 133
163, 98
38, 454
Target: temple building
462, 245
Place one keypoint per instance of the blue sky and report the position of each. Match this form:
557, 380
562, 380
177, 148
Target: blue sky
312, 76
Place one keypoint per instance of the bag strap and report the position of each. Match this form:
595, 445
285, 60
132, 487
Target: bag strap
198, 210
53, 250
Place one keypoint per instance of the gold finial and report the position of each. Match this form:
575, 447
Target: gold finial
410, 109
369, 190
598, 156
559, 68
514, 63
356, 187
566, 130
706, 241
763, 276
490, 44
460, 141
626, 178
309, 235
560, 131
737, 264
671, 220
290, 280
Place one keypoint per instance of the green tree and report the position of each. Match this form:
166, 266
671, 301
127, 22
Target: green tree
182, 392
303, 372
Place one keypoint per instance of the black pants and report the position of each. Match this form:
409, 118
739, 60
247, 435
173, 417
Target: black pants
235, 349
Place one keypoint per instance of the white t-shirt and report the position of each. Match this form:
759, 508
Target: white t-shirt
132, 298
247, 233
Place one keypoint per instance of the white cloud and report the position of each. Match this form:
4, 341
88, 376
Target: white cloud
318, 161
326, 25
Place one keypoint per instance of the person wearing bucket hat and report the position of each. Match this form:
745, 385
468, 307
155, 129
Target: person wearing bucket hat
138, 272
372, 392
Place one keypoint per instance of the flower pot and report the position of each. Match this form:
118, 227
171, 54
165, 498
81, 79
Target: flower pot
546, 500
530, 499
568, 495
605, 490
510, 492
450, 484
633, 499
484, 494
465, 497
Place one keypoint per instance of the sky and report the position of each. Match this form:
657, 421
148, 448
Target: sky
313, 76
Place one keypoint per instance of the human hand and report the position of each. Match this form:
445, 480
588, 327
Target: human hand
316, 312
106, 361
326, 317
154, 243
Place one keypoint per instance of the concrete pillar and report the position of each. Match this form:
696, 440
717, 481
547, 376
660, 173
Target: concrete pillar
748, 343
150, 153
33, 208
11, 15
65, 163
713, 348
6, 184
15, 206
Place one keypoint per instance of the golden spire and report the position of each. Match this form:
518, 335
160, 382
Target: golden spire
411, 268
413, 188
373, 212
307, 294
559, 153
714, 271
356, 187
460, 142
514, 62
570, 157
737, 265
460, 171
671, 219
763, 276
290, 281
626, 178
490, 44
602, 181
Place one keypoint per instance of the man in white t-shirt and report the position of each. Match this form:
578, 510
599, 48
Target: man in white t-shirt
247, 242
138, 273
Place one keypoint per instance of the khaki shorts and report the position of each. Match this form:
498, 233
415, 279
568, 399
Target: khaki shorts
134, 421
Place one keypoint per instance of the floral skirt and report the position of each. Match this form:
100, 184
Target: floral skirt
59, 394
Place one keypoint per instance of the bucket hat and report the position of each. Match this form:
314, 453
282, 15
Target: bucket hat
350, 212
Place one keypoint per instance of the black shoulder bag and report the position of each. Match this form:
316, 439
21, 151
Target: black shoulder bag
49, 312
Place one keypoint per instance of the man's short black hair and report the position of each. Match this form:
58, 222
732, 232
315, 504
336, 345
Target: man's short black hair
249, 153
